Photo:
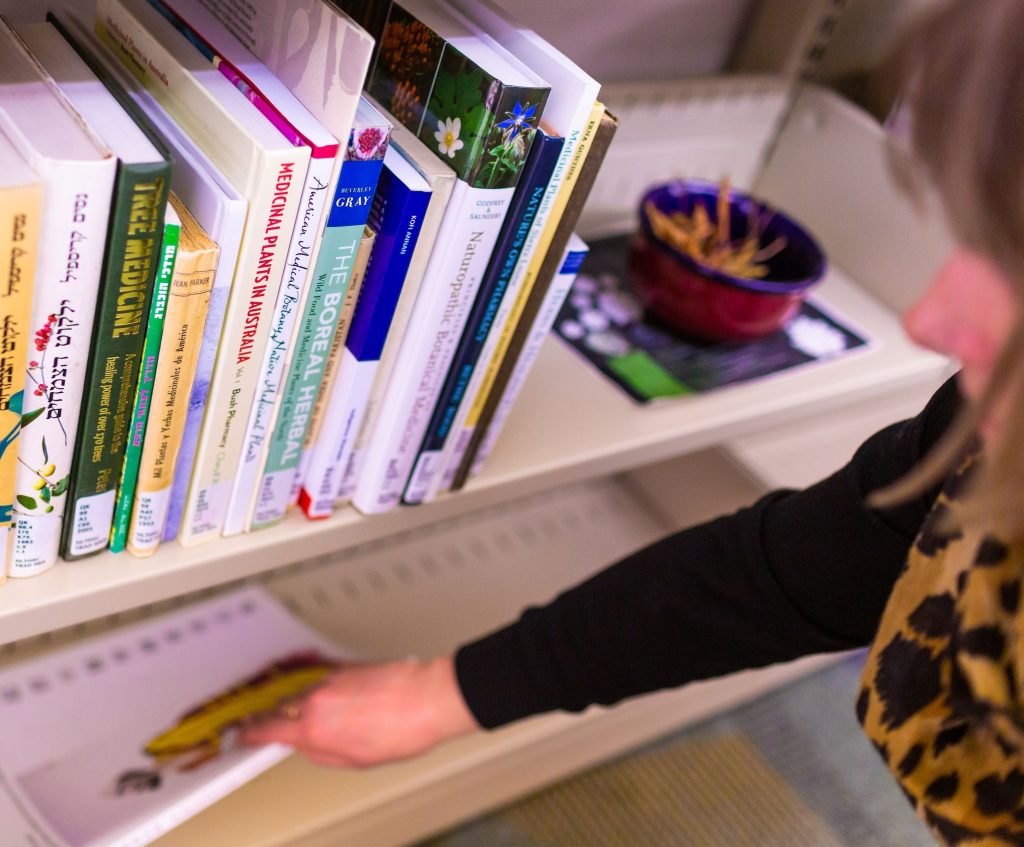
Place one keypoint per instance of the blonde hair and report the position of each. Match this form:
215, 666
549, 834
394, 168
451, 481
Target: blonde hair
962, 73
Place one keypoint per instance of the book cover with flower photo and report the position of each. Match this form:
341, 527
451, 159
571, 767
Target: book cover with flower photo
477, 107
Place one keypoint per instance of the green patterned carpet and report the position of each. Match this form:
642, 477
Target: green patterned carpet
789, 770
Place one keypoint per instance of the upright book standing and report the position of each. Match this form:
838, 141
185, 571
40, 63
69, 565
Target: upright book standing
269, 169
129, 271
21, 206
77, 170
477, 103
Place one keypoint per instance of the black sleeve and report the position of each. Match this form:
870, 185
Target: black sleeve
798, 572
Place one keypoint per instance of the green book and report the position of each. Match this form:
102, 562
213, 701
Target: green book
130, 265
147, 375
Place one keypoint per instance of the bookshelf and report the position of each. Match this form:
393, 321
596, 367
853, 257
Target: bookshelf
580, 477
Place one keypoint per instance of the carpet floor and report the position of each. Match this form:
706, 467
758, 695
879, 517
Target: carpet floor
790, 769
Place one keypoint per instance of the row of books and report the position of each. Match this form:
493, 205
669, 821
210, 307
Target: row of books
272, 255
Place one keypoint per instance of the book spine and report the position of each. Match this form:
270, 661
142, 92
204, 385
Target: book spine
184, 337
348, 307
20, 213
317, 326
244, 337
564, 225
283, 325
74, 228
572, 259
533, 184
483, 378
130, 267
451, 280
398, 218
144, 393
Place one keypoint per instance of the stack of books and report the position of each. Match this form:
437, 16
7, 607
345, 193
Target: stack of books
263, 256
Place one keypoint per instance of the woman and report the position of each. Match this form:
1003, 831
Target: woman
826, 568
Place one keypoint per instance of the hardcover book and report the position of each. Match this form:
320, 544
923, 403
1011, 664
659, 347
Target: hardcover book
441, 179
533, 184
269, 168
462, 93
194, 269
397, 216
77, 170
320, 313
125, 294
135, 731
147, 376
561, 230
21, 207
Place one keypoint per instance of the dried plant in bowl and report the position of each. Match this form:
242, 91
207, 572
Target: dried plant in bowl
708, 242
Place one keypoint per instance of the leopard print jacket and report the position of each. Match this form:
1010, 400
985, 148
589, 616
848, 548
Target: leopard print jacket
940, 691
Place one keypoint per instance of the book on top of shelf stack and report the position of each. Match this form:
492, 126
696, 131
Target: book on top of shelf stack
125, 294
568, 113
193, 272
397, 216
473, 102
320, 313
269, 168
351, 447
114, 740
579, 179
78, 171
21, 209
220, 209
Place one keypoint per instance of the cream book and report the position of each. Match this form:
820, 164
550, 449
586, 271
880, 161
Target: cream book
77, 170
21, 207
116, 739
188, 303
269, 169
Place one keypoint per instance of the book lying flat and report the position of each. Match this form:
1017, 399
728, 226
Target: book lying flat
114, 740
604, 322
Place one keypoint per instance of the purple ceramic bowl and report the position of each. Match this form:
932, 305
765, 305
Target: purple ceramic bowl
706, 302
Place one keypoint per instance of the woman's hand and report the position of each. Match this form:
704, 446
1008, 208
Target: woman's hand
370, 714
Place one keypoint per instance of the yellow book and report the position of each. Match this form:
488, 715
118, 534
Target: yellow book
348, 307
21, 199
188, 302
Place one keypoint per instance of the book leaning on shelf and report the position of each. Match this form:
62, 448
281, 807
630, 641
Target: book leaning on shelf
399, 207
540, 164
571, 114
269, 169
362, 419
562, 228
21, 207
77, 170
220, 209
188, 302
477, 102
320, 313
125, 294
289, 115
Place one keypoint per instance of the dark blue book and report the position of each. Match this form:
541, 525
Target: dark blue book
396, 216
533, 182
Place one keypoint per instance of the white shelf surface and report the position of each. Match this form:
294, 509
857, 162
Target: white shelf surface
570, 424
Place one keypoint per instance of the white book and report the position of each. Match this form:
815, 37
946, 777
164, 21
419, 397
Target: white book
77, 170
468, 231
364, 418
116, 739
575, 252
295, 121
221, 210
269, 169
573, 93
